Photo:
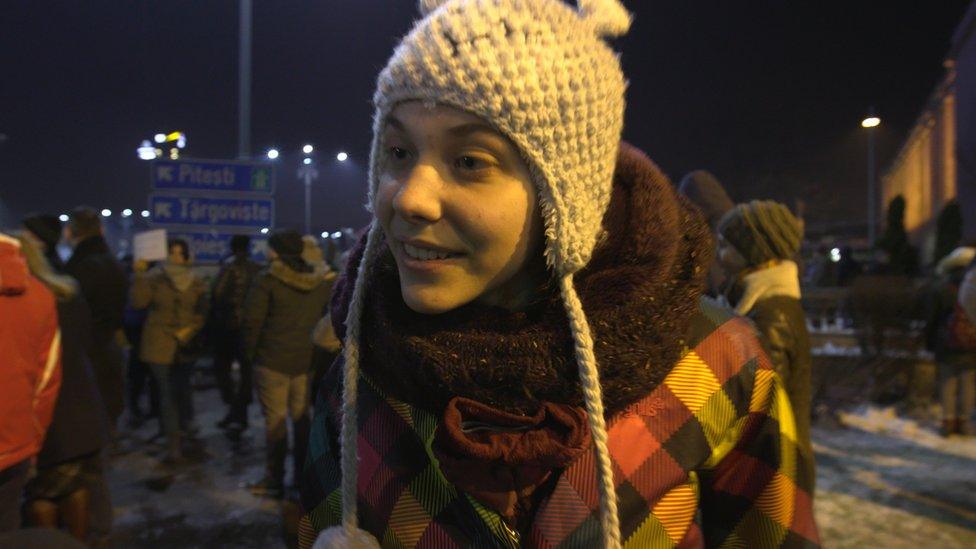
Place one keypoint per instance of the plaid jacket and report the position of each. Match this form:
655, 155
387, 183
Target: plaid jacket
708, 458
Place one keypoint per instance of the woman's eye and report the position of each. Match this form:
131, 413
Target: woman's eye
469, 163
399, 153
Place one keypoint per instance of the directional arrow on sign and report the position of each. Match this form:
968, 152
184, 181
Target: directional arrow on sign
164, 173
163, 211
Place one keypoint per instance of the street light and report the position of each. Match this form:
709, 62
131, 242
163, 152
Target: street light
264, 230
160, 138
144, 213
341, 157
272, 154
146, 151
869, 124
307, 149
307, 161
63, 218
126, 212
106, 213
325, 234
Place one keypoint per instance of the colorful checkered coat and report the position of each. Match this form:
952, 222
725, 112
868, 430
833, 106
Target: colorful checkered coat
708, 458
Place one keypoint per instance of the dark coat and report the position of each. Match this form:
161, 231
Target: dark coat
230, 290
169, 310
104, 284
783, 329
942, 300
80, 425
280, 312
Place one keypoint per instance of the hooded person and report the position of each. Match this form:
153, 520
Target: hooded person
280, 312
757, 241
951, 336
30, 374
526, 358
69, 466
706, 192
177, 303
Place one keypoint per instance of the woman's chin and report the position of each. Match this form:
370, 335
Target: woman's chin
430, 301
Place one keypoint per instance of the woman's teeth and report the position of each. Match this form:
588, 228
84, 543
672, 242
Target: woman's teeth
423, 254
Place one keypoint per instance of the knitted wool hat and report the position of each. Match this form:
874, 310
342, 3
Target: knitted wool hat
542, 75
286, 243
762, 230
45, 227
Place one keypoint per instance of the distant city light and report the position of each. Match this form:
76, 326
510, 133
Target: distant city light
63, 218
307, 161
307, 149
106, 213
126, 212
870, 122
264, 230
325, 234
341, 157
159, 138
145, 213
835, 255
272, 154
336, 234
146, 151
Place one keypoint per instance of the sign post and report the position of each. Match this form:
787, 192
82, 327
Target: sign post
308, 173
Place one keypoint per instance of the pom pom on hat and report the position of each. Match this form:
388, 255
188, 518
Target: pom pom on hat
338, 537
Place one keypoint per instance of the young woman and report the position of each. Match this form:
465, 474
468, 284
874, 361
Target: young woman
177, 302
526, 358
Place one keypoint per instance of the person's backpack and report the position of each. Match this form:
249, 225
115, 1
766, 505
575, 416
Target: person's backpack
960, 330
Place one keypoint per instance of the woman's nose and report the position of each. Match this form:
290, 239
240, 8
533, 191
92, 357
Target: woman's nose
418, 198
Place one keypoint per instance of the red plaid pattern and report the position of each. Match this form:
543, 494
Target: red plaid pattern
707, 458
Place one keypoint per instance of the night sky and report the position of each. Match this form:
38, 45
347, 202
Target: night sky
766, 94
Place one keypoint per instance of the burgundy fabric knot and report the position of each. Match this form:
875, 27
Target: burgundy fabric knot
501, 458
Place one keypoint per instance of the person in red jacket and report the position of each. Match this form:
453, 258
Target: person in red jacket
30, 374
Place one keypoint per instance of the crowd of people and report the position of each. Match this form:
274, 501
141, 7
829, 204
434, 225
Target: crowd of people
89, 338
538, 340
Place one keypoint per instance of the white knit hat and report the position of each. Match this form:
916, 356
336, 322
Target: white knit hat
542, 75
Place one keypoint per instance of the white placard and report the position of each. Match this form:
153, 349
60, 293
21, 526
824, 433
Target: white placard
150, 245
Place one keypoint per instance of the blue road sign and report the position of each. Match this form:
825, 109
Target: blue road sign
212, 247
231, 212
212, 175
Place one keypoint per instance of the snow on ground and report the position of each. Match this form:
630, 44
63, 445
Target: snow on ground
883, 481
203, 504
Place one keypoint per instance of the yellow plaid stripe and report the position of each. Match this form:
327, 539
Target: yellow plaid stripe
692, 381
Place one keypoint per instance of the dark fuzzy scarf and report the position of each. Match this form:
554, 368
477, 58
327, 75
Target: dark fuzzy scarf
639, 291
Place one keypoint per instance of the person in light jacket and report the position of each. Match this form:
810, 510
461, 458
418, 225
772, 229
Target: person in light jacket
177, 300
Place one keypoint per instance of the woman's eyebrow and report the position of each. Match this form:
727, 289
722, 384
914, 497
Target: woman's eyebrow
395, 123
473, 127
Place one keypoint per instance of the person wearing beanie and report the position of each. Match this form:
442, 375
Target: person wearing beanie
280, 311
704, 191
756, 245
46, 230
177, 303
526, 358
227, 311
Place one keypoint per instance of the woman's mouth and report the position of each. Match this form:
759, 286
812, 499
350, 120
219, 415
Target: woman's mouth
418, 253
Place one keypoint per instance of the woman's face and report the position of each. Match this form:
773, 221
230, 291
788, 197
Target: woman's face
459, 211
729, 258
176, 256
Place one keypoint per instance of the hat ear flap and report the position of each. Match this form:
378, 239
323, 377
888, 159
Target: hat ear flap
427, 6
609, 17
